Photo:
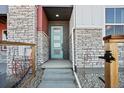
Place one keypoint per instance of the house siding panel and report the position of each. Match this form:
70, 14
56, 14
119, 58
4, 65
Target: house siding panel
89, 16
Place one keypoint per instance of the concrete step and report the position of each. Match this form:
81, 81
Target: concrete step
58, 78
56, 85
58, 74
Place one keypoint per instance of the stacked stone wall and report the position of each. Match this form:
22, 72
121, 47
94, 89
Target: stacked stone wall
43, 47
21, 27
88, 47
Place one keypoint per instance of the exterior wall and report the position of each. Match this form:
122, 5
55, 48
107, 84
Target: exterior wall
88, 47
71, 28
43, 39
21, 23
65, 24
43, 48
70, 48
86, 17
21, 27
72, 21
42, 21
86, 44
89, 16
3, 9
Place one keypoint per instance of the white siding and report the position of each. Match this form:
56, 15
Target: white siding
3, 9
89, 16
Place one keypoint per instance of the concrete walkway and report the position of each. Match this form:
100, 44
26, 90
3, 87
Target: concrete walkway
58, 74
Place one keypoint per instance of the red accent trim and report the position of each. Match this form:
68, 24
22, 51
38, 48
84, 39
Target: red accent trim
42, 21
2, 27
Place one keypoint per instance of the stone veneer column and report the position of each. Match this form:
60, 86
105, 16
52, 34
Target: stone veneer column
21, 27
43, 48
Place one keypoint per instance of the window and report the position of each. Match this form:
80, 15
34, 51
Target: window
122, 15
114, 17
109, 29
118, 15
114, 29
119, 29
109, 15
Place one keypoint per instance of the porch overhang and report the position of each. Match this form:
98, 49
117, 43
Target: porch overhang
58, 13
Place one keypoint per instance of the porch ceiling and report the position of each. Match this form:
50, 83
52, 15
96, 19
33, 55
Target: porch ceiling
64, 13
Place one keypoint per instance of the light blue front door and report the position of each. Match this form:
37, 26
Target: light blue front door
56, 42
